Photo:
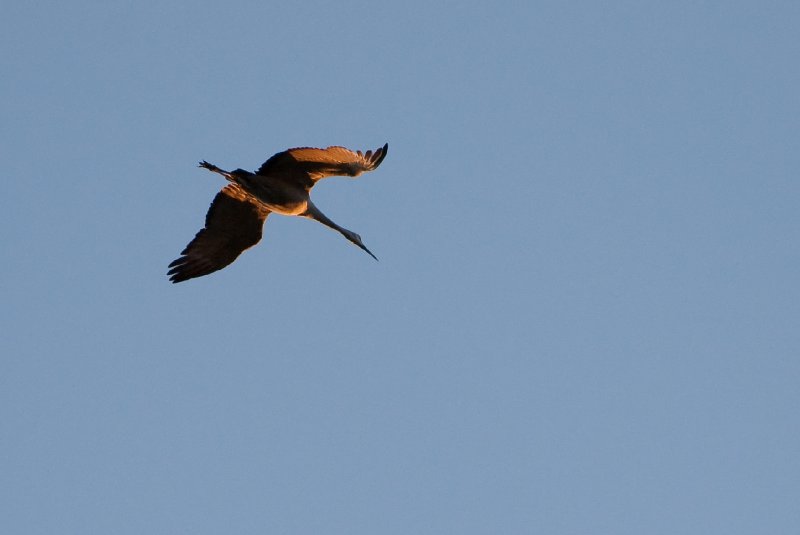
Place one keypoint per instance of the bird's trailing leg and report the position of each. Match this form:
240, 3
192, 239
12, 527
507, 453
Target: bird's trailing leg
237, 177
211, 167
312, 212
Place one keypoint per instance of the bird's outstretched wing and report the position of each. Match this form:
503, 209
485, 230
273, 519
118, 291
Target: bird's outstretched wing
307, 165
234, 223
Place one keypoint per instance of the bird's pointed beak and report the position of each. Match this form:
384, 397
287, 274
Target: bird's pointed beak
367, 250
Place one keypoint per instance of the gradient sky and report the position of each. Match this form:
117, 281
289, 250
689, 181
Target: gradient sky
585, 318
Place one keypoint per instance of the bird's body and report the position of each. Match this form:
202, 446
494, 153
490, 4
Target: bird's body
281, 185
285, 197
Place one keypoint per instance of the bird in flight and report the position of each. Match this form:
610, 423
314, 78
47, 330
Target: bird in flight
282, 185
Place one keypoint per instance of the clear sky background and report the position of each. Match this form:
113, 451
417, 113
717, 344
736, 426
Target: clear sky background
585, 318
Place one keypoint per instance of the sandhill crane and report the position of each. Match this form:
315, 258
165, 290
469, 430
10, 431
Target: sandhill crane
282, 185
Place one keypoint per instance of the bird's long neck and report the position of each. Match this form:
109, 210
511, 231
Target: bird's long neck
312, 212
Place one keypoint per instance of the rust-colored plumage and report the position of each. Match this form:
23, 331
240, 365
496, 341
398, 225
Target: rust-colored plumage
282, 185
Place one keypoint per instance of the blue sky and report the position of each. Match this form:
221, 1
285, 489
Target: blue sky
585, 314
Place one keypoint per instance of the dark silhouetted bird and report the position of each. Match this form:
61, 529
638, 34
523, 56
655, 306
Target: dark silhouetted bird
282, 185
